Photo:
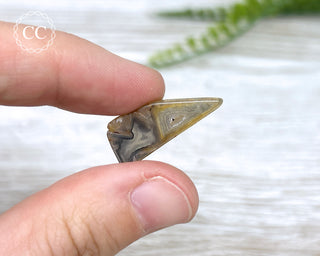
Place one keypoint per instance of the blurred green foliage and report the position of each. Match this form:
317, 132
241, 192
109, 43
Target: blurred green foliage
226, 24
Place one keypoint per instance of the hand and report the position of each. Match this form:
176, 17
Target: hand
101, 210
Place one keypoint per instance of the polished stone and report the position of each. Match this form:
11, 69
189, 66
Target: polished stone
136, 135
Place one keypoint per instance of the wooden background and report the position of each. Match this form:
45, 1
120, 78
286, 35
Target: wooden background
255, 161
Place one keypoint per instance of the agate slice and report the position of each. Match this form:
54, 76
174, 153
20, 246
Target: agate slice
135, 135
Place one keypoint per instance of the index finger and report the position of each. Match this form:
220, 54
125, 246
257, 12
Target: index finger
75, 75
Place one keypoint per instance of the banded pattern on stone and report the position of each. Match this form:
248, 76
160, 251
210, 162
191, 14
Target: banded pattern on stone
136, 135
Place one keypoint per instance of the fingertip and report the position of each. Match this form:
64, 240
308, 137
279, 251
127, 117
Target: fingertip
158, 89
136, 86
102, 209
178, 178
95, 81
76, 75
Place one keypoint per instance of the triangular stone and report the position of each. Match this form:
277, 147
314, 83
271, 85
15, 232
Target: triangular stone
138, 134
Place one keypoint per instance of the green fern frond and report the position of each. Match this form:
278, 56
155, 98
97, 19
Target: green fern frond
298, 7
230, 23
214, 14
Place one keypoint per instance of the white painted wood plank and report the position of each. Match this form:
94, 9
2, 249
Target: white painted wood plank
256, 161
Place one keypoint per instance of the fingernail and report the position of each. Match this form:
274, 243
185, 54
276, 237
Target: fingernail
160, 203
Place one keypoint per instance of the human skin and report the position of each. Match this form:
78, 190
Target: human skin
101, 210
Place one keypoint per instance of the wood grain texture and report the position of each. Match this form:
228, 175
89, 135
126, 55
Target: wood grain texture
255, 162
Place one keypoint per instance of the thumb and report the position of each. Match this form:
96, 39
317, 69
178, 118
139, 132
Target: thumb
99, 211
